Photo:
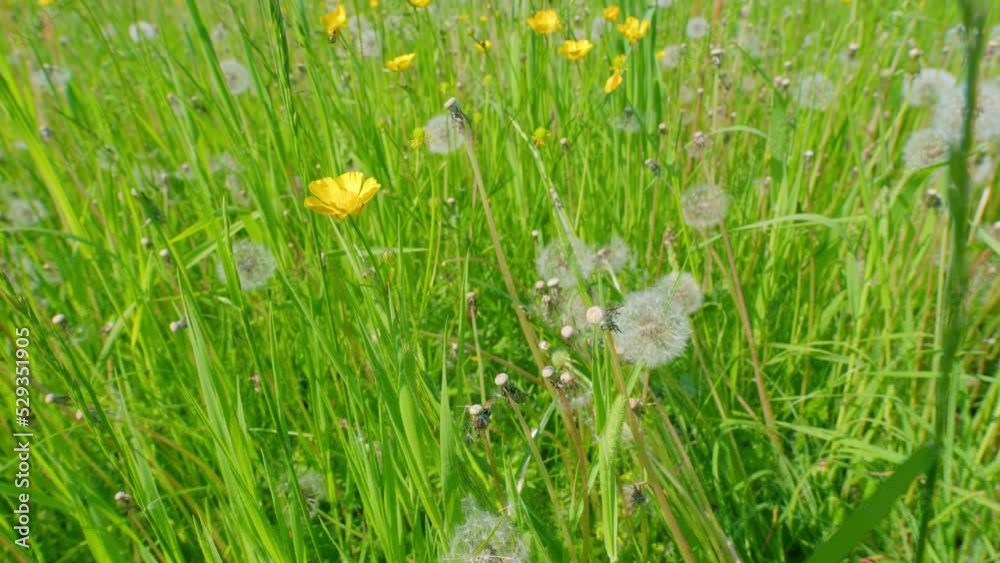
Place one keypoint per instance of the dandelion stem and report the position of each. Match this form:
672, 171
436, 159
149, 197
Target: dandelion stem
522, 318
741, 305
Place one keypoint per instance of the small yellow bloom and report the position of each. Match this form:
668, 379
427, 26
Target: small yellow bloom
420, 3
618, 64
660, 54
611, 13
544, 21
45, 2
575, 50
614, 82
487, 80
417, 138
344, 195
335, 21
539, 136
633, 29
484, 46
373, 3
401, 62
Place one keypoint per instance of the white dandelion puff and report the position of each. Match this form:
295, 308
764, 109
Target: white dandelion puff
553, 262
696, 28
441, 135
25, 212
815, 91
924, 148
143, 31
682, 291
925, 88
484, 537
254, 263
671, 58
236, 75
704, 206
652, 332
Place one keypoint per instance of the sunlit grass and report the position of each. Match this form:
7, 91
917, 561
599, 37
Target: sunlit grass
219, 373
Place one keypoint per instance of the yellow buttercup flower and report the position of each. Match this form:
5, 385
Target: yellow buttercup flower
539, 136
611, 13
335, 21
575, 50
418, 138
619, 63
401, 62
344, 195
544, 21
633, 29
373, 3
614, 82
484, 46
420, 3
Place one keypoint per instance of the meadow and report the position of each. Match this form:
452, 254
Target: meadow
500, 281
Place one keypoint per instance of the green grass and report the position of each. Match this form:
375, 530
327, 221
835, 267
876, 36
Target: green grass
325, 415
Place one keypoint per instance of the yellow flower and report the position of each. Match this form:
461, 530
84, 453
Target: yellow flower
420, 3
401, 62
575, 50
484, 46
373, 3
335, 21
633, 29
418, 138
544, 21
344, 195
618, 63
611, 13
539, 136
614, 82
45, 2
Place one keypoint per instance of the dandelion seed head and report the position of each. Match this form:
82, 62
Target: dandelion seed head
652, 332
553, 262
254, 263
50, 75
25, 212
928, 86
143, 31
442, 137
595, 315
924, 148
613, 256
696, 28
814, 91
671, 58
682, 291
484, 537
704, 206
236, 75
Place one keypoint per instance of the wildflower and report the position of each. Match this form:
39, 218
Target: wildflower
611, 13
480, 416
595, 315
696, 28
670, 57
815, 92
420, 3
613, 82
483, 46
539, 136
335, 21
682, 291
50, 75
401, 62
924, 148
926, 87
508, 390
652, 332
544, 21
699, 145
441, 135
613, 256
143, 31
254, 265
703, 206
486, 537
575, 50
417, 138
951, 107
237, 76
633, 29
342, 196
629, 121
553, 262
25, 212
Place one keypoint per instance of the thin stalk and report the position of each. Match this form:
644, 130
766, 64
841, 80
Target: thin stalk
974, 16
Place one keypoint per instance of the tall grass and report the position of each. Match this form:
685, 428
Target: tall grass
327, 415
